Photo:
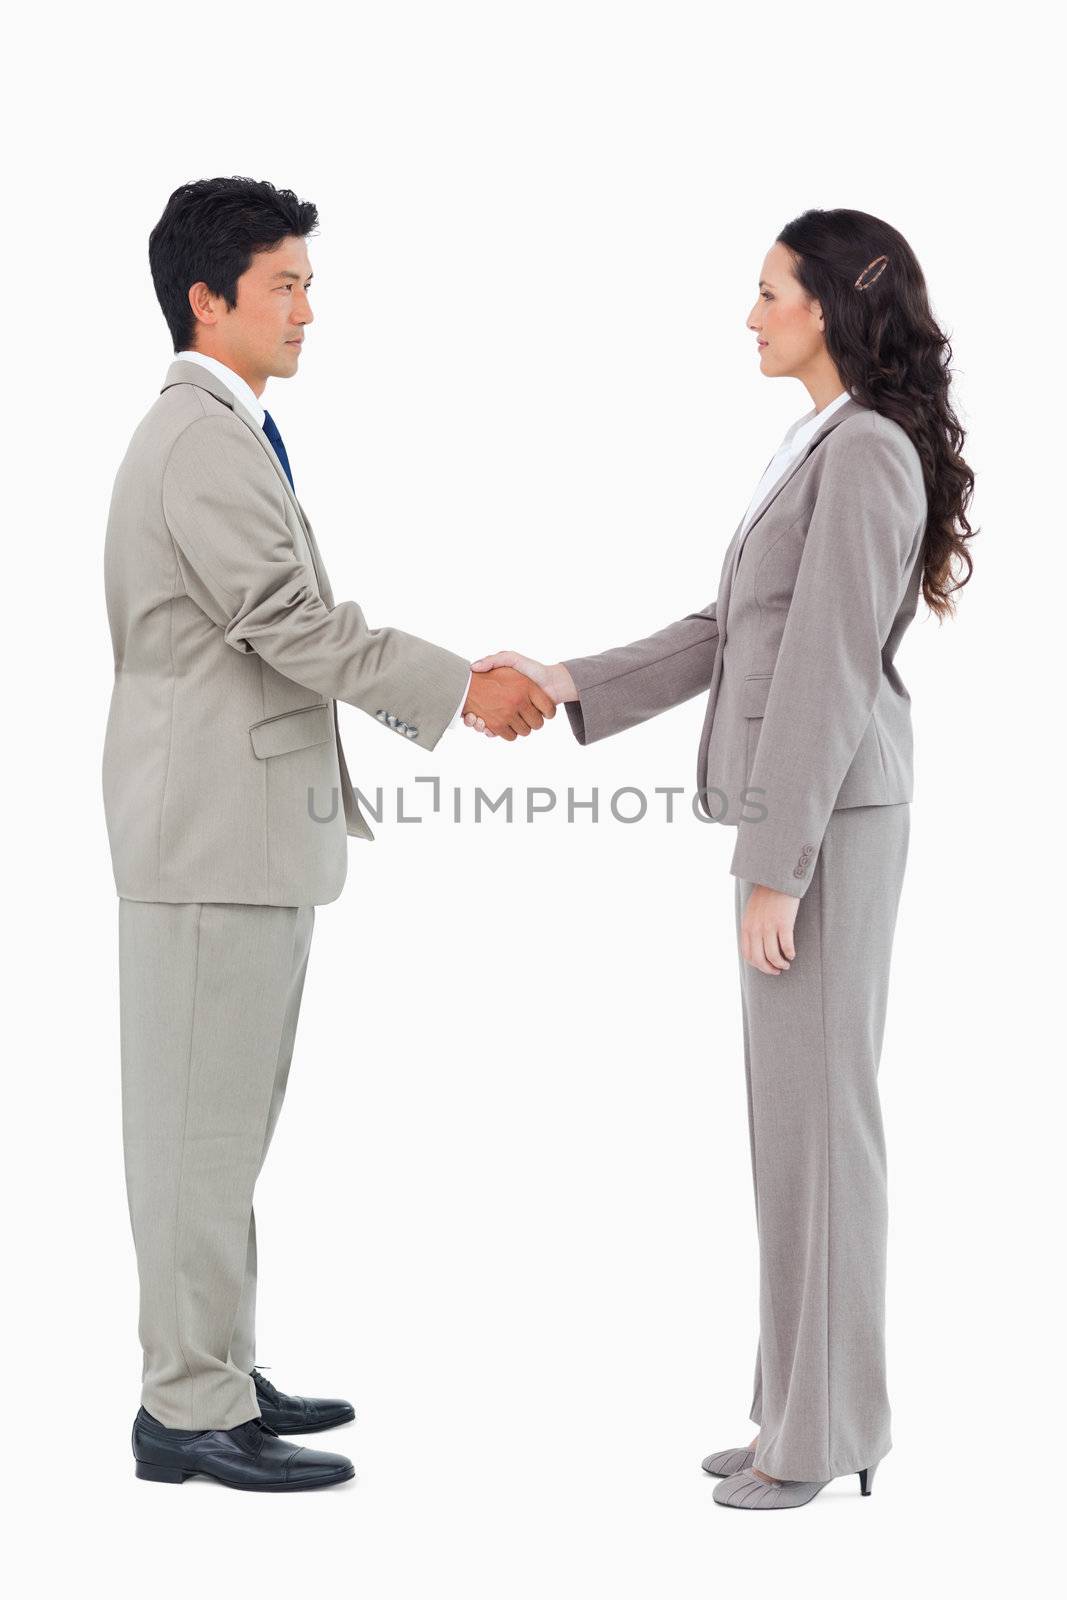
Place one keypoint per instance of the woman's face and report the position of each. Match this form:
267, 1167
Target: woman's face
788, 325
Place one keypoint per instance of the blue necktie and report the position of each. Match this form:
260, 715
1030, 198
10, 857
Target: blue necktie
270, 428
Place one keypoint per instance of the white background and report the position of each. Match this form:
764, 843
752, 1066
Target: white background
508, 1209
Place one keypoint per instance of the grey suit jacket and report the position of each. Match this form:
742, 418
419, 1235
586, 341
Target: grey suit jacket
806, 713
223, 772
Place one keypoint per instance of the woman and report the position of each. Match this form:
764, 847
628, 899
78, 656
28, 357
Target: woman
807, 750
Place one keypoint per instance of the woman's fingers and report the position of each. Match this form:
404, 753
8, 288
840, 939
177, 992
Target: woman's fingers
542, 702
758, 958
502, 658
767, 939
772, 949
752, 949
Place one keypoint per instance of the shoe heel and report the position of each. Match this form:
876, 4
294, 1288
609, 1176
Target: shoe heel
867, 1478
145, 1469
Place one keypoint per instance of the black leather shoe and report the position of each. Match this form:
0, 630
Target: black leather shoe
250, 1456
293, 1413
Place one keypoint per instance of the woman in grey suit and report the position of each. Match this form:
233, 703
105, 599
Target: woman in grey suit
806, 749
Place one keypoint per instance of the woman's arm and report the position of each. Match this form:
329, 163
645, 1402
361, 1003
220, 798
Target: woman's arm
626, 685
619, 688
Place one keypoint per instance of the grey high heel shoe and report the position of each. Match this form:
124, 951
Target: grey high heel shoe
724, 1463
749, 1493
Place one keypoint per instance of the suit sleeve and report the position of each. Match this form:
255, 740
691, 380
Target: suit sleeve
457, 714
226, 513
632, 682
865, 530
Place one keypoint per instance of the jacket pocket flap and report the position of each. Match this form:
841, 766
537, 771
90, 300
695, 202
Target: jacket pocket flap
754, 692
291, 730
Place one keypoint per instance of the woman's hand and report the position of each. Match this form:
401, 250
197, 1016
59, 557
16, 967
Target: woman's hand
767, 929
555, 680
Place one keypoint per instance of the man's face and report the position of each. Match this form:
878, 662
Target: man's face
261, 336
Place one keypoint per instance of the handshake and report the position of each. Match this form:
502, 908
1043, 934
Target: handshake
511, 695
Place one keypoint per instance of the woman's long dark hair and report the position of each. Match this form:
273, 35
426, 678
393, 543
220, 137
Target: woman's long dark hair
891, 354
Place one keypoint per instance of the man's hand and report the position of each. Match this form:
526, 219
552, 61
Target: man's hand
507, 703
767, 929
555, 681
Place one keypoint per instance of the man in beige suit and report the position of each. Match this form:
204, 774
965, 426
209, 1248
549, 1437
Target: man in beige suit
229, 805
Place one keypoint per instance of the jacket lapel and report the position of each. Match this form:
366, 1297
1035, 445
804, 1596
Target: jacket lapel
848, 409
733, 555
192, 372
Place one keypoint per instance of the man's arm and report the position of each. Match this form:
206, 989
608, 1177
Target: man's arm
457, 717
225, 511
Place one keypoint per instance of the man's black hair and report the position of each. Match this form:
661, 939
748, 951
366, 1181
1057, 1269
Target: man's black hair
209, 232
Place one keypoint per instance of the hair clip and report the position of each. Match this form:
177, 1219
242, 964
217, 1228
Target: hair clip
885, 262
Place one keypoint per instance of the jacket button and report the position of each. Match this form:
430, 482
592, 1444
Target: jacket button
802, 865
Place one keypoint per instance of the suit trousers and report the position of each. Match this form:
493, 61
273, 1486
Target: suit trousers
812, 1043
209, 1001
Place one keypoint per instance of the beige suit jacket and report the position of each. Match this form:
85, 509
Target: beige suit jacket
806, 712
223, 773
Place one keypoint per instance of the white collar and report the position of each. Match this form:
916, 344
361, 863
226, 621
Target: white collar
807, 426
233, 381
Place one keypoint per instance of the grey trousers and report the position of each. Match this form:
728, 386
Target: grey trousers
209, 1001
812, 1042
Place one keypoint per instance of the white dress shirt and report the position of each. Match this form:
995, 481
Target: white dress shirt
233, 381
241, 391
797, 437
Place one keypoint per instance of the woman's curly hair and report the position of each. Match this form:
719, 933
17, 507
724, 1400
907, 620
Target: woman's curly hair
892, 356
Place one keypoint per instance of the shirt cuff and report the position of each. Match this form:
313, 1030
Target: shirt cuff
455, 723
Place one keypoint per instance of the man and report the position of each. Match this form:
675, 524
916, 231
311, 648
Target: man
229, 806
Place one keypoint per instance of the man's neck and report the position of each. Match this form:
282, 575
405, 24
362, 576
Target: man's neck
256, 383
238, 386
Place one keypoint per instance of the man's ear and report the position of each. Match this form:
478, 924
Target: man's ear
201, 300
